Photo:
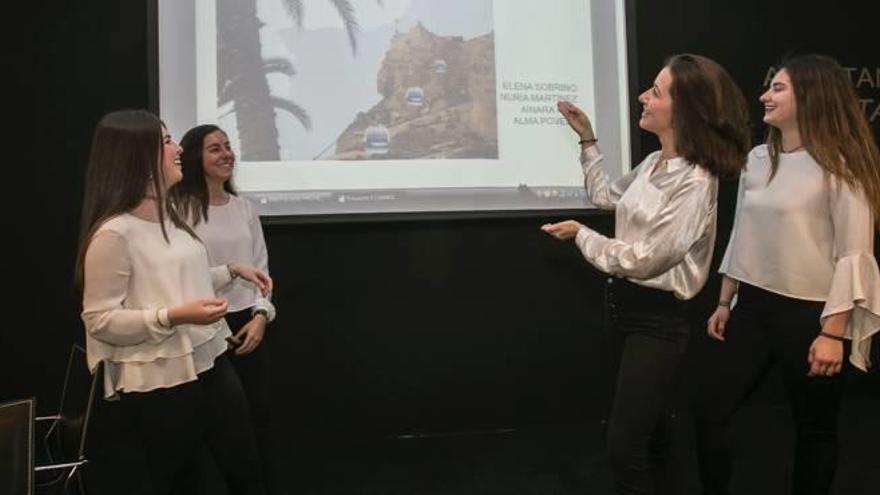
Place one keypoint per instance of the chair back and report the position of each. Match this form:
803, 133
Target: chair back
17, 447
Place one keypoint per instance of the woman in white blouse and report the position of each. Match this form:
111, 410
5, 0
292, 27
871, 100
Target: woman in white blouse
800, 263
665, 217
151, 313
231, 230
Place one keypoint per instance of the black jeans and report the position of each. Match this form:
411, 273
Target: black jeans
253, 371
765, 329
174, 423
654, 329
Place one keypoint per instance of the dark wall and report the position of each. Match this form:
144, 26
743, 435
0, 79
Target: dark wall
391, 326
436, 325
69, 63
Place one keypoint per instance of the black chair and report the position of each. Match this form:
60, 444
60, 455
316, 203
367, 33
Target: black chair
17, 447
65, 440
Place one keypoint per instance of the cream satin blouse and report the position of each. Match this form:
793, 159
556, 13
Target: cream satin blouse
664, 223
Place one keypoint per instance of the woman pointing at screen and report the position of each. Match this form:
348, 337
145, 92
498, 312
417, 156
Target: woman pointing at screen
665, 222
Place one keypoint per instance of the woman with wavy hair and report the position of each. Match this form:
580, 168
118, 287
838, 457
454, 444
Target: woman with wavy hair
665, 217
800, 263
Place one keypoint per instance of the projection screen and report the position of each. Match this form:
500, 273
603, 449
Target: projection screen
394, 106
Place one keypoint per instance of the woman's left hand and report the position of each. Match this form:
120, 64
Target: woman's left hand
825, 357
563, 230
257, 277
250, 336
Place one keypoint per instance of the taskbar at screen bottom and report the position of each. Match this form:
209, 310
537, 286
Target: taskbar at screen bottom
280, 203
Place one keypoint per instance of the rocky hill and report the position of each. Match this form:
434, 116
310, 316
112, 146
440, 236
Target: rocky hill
438, 101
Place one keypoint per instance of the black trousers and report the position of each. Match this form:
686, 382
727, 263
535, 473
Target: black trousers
766, 329
653, 327
253, 371
174, 424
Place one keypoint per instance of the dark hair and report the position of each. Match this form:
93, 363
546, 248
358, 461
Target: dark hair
832, 125
125, 159
709, 115
191, 193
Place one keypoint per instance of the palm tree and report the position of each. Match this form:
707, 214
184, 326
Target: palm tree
242, 72
343, 7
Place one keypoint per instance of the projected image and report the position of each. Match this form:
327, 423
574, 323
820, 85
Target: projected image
390, 106
358, 79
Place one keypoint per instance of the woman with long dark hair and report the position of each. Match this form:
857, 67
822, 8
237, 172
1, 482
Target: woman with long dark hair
231, 230
665, 217
151, 313
800, 263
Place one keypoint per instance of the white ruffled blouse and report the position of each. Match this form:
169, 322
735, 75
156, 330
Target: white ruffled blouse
132, 275
807, 235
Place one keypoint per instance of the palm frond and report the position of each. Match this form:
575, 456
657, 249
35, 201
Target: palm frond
352, 28
270, 66
294, 9
292, 108
279, 65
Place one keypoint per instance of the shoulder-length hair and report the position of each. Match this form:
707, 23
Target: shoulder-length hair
191, 193
125, 161
832, 125
709, 115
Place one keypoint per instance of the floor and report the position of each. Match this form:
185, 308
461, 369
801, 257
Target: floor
569, 459
558, 459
